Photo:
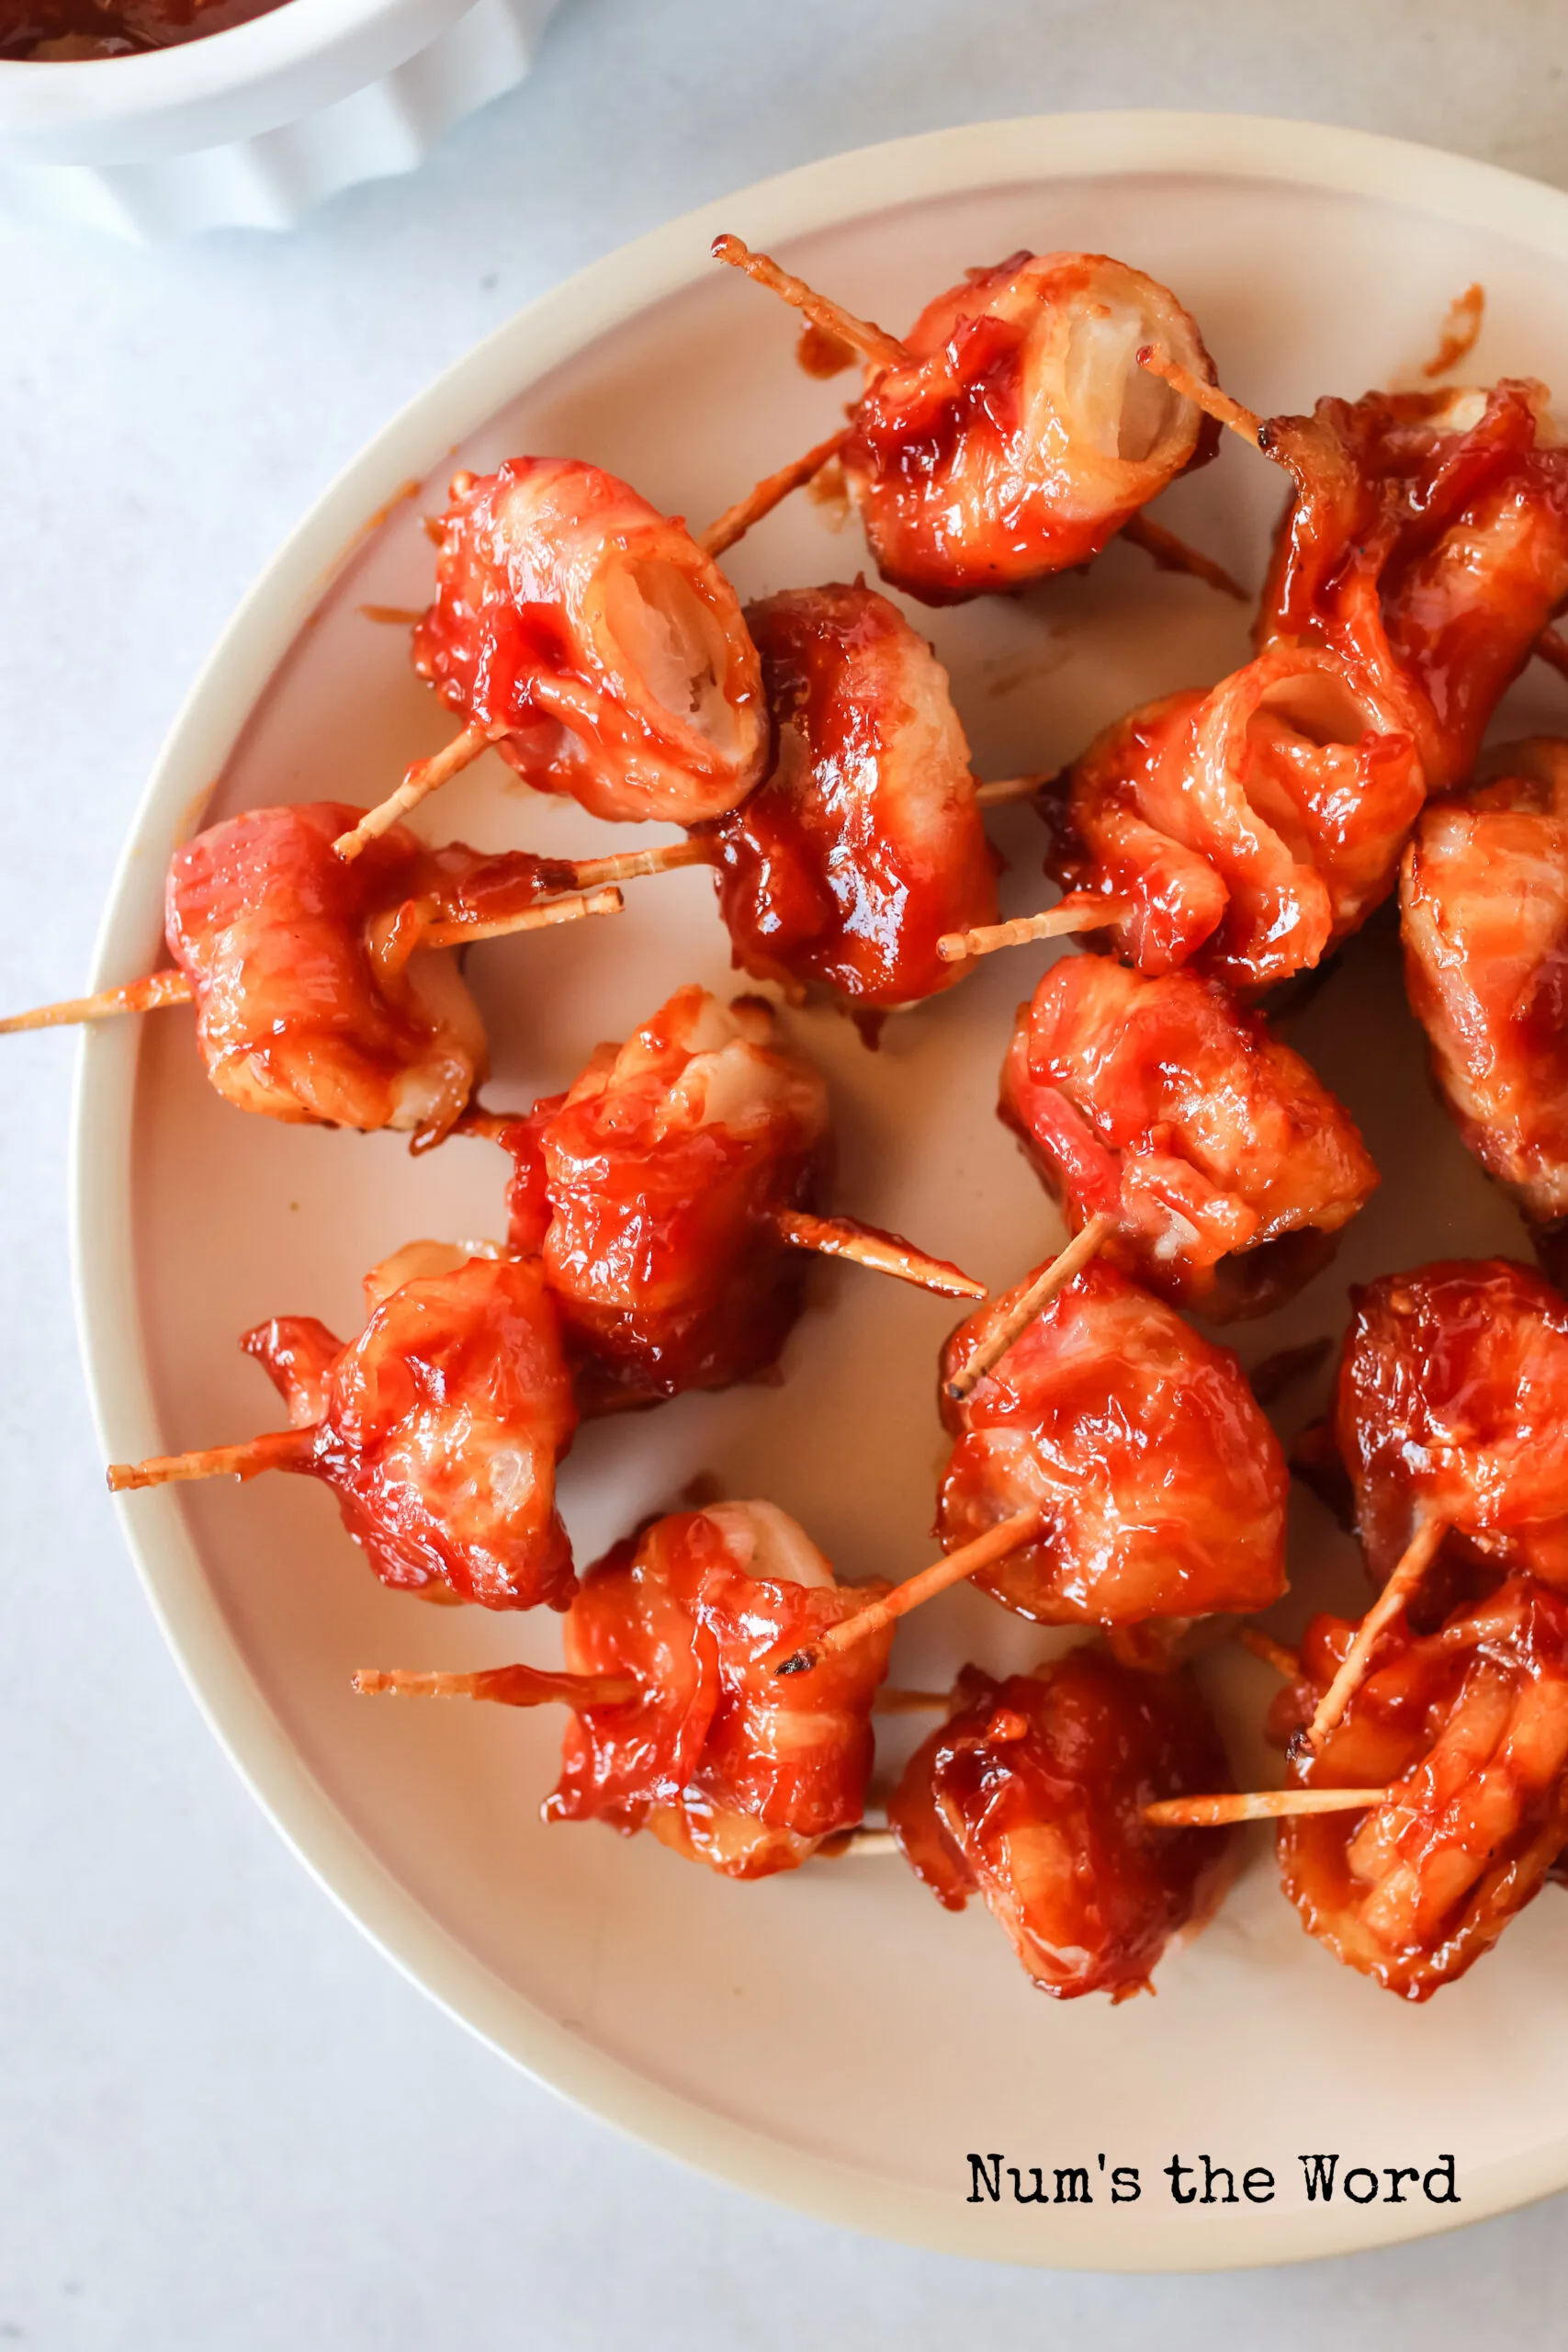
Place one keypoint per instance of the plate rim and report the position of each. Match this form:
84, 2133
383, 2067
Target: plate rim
1025, 149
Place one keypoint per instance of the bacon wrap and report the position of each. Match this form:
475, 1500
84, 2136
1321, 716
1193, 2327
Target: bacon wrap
1466, 1728
314, 999
1452, 1401
439, 1429
1250, 828
1031, 1795
650, 1189
1427, 539
1161, 1484
1164, 1105
1484, 896
717, 1757
596, 637
1022, 434
865, 843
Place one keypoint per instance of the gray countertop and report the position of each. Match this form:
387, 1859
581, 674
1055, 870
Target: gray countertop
225, 2121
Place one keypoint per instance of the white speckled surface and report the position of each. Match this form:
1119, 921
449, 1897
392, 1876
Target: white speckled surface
224, 2121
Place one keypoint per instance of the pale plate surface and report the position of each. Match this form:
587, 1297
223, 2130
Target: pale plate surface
830, 2037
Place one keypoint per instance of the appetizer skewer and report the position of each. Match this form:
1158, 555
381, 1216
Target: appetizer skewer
1426, 539
1446, 1425
1428, 535
864, 844
1245, 830
1217, 1165
1433, 1811
1110, 1467
1160, 1484
330, 993
593, 642
1034, 1794
438, 1428
1449, 1406
1176, 1137
678, 1726
670, 1192
1011, 432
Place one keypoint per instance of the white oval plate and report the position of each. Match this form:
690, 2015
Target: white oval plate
830, 2038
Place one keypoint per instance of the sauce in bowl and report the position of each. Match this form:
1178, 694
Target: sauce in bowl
69, 32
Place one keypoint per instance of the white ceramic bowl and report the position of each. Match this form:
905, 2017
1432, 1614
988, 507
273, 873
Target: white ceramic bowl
830, 2038
253, 127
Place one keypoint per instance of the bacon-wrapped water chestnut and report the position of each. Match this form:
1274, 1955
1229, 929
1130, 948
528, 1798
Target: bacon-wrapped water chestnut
593, 642
1011, 432
1227, 1165
680, 1725
325, 991
651, 1189
1159, 1485
1424, 550
315, 998
593, 636
671, 1191
863, 845
1427, 540
1245, 830
1018, 435
1451, 1407
1032, 1795
438, 1428
1459, 1739
1484, 899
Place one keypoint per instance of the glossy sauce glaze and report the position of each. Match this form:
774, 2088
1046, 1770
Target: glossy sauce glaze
598, 641
717, 1755
1161, 1484
1022, 434
1484, 903
315, 1001
1452, 1400
1427, 540
1161, 1103
1250, 828
649, 1189
1466, 1729
821, 353
864, 843
1031, 1795
439, 1428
